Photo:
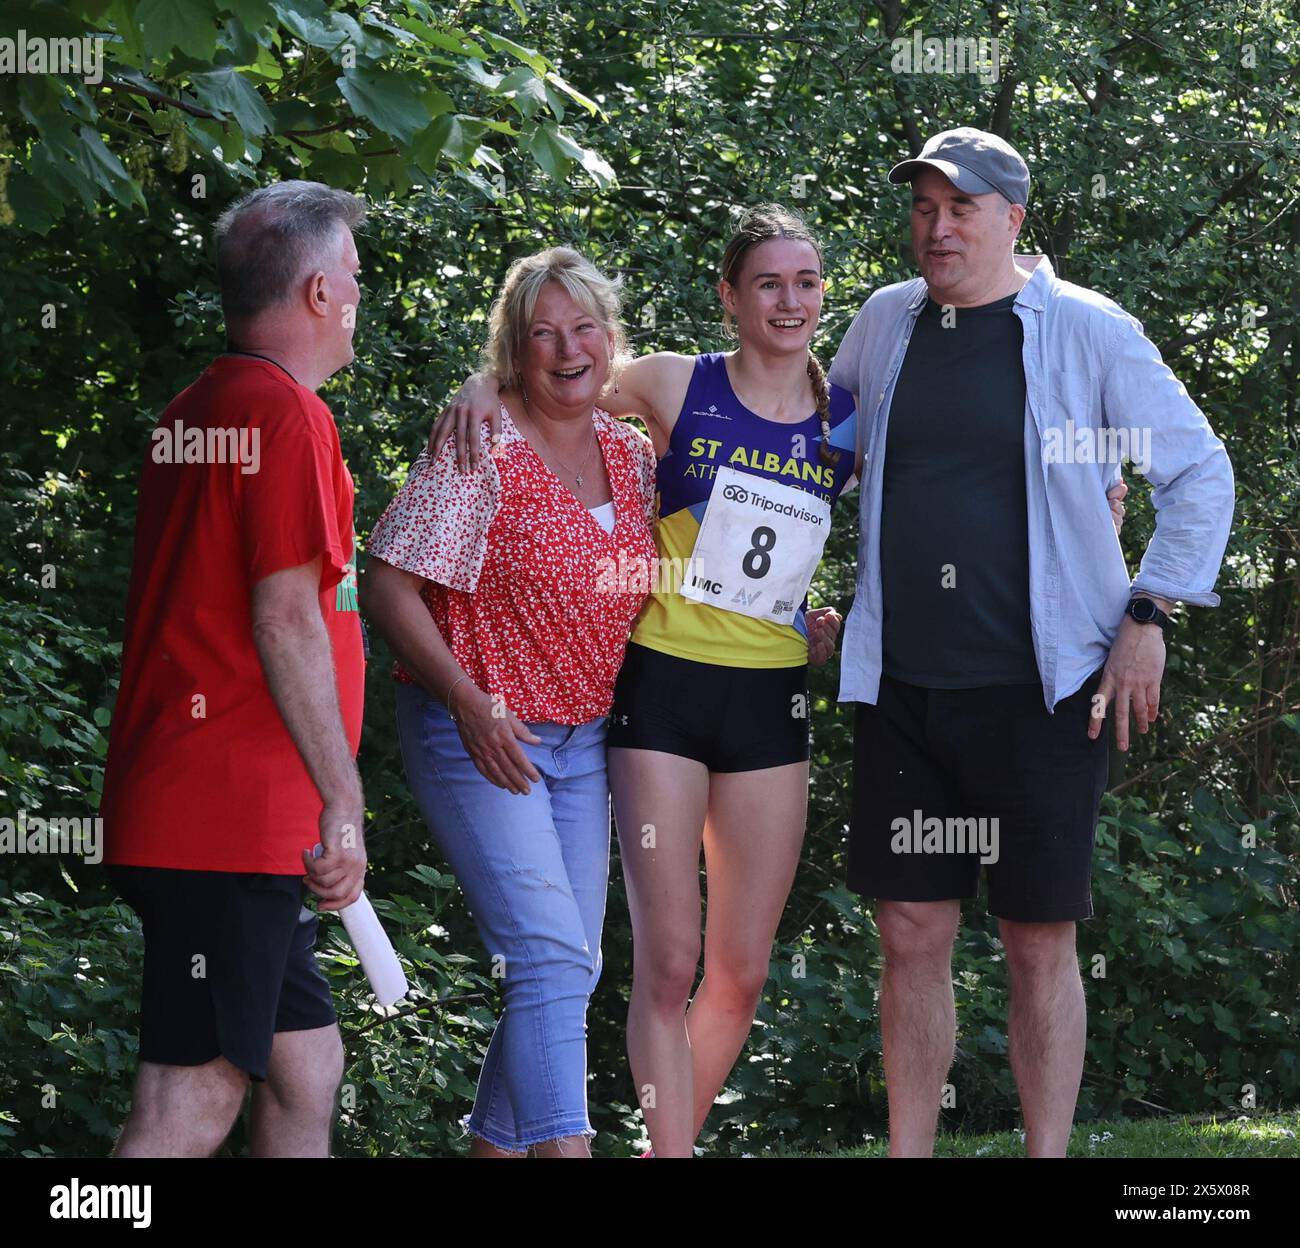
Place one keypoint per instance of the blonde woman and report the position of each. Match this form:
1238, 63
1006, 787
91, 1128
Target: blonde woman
490, 588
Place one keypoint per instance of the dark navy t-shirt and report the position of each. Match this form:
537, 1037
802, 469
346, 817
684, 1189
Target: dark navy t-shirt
954, 535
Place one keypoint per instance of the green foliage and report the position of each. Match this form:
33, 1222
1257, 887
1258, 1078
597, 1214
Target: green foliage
1188, 972
1197, 931
410, 1077
373, 98
1193, 226
48, 745
69, 983
1246, 1135
69, 995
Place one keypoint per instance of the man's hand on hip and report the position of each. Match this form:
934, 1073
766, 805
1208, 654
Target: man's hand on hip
1131, 678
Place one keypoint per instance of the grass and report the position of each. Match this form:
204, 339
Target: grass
1249, 1135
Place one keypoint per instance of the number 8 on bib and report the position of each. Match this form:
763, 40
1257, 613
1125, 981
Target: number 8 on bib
759, 544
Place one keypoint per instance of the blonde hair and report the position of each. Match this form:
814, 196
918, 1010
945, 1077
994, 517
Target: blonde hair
512, 310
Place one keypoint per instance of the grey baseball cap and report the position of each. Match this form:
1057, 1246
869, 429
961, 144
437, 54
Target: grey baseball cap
974, 161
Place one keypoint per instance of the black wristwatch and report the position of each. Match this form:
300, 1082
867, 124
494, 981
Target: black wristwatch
1144, 611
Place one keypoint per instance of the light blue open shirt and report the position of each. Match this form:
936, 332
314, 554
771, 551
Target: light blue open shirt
1087, 361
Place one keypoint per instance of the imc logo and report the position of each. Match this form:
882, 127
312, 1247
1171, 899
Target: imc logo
709, 587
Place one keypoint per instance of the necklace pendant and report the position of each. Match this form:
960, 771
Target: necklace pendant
579, 481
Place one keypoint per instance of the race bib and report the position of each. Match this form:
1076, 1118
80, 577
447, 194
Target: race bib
759, 544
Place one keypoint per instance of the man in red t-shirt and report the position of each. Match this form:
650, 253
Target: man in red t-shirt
234, 738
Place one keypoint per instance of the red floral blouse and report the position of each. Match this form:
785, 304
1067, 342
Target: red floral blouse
533, 598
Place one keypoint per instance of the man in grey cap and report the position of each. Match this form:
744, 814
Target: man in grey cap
995, 624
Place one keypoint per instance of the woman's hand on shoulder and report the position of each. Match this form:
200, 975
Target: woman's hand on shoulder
1115, 499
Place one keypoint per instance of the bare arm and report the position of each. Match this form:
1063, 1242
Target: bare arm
294, 649
491, 732
652, 387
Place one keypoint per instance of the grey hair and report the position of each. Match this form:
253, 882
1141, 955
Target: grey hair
269, 240
512, 310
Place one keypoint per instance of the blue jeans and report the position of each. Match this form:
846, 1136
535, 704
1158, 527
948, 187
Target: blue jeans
534, 870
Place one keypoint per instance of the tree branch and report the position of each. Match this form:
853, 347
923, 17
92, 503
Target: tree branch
1235, 191
157, 97
1234, 733
414, 1008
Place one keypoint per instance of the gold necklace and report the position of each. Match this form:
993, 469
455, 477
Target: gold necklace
547, 442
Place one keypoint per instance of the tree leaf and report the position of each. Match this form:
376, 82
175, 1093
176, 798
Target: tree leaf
314, 24
598, 168
183, 24
106, 169
480, 76
252, 14
530, 57
552, 148
449, 41
526, 90
387, 98
452, 135
34, 205
572, 92
226, 91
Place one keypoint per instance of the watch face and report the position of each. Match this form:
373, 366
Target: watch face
1142, 609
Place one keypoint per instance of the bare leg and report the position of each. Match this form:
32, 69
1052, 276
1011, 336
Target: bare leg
182, 1111
660, 801
752, 842
294, 1109
481, 1148
569, 1146
918, 1019
1047, 1031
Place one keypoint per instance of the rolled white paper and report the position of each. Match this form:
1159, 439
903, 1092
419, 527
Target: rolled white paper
373, 948
375, 951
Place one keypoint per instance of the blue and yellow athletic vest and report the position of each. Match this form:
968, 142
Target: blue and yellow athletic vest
715, 429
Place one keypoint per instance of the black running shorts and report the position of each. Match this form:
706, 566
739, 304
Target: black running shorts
229, 960
728, 718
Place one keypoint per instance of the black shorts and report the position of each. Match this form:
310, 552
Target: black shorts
946, 780
229, 960
728, 718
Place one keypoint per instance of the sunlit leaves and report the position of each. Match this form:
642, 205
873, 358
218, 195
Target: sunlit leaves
259, 88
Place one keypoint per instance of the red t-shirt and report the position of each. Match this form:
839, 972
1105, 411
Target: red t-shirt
202, 773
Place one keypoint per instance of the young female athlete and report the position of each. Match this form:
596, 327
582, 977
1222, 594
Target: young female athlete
708, 738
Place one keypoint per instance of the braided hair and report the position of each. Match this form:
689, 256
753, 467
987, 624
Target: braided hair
757, 225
